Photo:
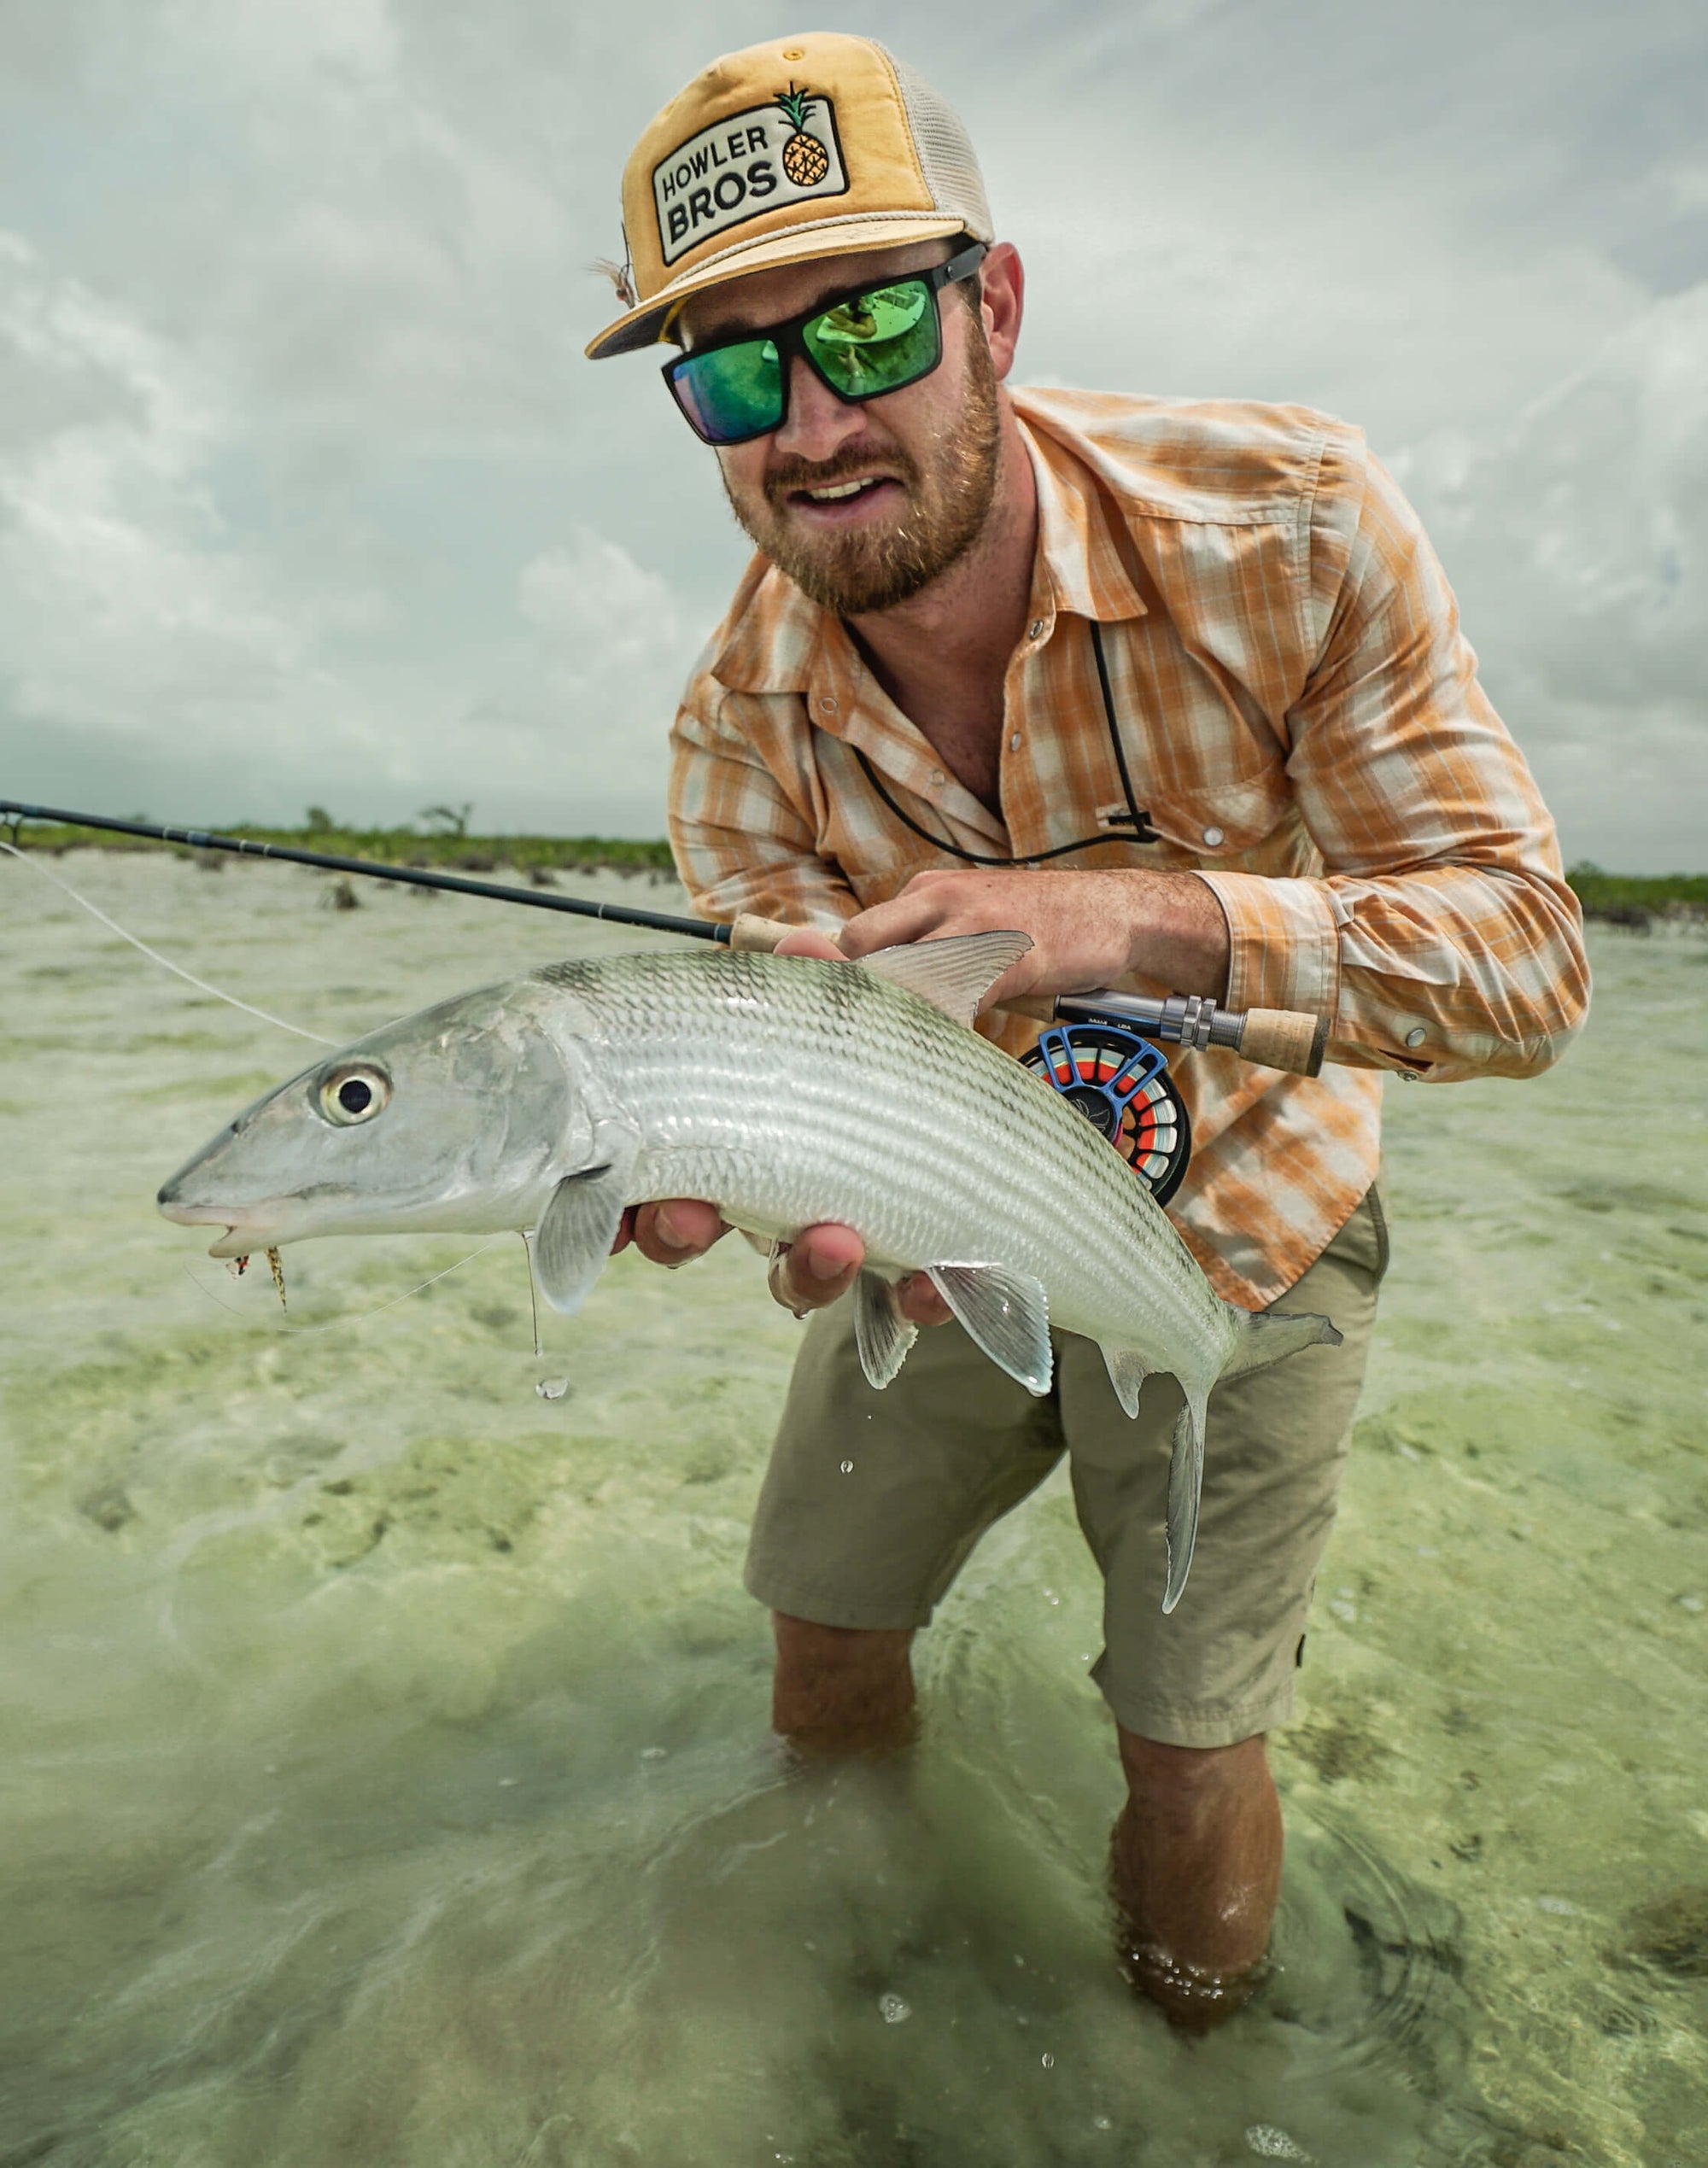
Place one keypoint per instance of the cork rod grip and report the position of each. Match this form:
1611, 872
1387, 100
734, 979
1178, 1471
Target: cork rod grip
750, 932
1284, 1038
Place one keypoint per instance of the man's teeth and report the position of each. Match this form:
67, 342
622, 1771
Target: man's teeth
844, 489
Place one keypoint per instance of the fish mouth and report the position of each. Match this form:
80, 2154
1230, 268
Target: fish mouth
246, 1230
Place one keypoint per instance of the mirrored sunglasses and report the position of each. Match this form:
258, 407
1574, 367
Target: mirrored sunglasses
875, 340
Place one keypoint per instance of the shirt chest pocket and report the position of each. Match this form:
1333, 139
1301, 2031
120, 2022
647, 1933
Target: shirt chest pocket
1224, 819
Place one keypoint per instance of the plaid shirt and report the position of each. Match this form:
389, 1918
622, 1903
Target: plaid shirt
1303, 726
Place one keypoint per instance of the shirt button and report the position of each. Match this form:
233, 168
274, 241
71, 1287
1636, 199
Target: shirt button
1034, 628
1214, 839
828, 706
1416, 1036
1013, 743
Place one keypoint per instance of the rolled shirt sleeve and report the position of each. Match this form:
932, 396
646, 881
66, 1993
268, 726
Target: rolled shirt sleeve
1442, 936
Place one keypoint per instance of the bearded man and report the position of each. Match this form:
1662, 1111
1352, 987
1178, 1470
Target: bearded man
1177, 689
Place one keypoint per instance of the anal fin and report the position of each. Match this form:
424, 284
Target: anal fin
1127, 1370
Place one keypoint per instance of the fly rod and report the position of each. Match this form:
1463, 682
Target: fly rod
1277, 1038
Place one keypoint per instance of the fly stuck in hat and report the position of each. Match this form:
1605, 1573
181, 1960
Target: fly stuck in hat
816, 145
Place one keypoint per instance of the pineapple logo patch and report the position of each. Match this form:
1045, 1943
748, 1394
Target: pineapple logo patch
752, 162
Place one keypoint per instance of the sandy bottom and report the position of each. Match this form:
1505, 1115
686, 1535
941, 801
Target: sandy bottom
386, 1771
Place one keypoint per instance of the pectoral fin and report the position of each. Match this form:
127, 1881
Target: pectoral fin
881, 1333
579, 1224
1006, 1313
1127, 1372
953, 974
1186, 1486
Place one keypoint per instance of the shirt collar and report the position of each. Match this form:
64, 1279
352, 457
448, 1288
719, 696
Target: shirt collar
1084, 551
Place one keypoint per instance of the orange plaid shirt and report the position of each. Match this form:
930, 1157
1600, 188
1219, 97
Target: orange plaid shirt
1303, 728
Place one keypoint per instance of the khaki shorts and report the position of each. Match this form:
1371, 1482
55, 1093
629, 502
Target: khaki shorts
954, 1443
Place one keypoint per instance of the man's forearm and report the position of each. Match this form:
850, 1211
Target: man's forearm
1087, 929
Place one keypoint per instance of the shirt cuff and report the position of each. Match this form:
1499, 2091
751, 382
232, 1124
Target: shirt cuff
1284, 943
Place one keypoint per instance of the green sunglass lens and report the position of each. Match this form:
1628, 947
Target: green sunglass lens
733, 391
878, 341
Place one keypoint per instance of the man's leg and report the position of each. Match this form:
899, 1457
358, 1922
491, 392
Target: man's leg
1197, 1848
842, 1689
1196, 1867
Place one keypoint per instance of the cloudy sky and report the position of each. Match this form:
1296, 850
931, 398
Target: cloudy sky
306, 494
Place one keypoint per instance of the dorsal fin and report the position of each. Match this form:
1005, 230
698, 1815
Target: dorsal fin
953, 975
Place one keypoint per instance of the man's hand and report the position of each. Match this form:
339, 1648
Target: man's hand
1087, 929
808, 1274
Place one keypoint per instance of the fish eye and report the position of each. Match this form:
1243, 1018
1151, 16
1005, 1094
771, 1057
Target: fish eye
354, 1093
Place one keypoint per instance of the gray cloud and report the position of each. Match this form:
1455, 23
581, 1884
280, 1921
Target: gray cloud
305, 492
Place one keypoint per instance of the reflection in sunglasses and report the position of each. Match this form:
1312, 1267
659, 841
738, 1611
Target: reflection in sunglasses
889, 313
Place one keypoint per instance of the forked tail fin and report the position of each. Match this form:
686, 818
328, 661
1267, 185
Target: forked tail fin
1264, 1338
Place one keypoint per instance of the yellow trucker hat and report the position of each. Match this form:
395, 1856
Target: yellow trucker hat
815, 145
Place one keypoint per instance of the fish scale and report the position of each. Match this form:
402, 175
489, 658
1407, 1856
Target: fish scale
787, 1090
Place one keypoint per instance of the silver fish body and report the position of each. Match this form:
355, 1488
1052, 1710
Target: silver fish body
788, 1091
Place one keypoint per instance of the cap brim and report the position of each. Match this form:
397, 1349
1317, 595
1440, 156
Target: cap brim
847, 237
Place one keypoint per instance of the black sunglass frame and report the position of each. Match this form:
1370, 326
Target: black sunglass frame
787, 339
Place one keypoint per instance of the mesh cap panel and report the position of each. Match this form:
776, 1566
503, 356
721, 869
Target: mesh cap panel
945, 151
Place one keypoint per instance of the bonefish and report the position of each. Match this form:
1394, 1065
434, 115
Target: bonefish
788, 1091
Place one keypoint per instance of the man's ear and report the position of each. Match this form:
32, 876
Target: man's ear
1002, 279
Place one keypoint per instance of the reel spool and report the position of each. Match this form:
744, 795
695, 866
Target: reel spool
1121, 1083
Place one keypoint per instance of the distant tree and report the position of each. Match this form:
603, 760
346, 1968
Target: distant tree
318, 820
453, 819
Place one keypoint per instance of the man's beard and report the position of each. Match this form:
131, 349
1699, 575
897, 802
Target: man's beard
866, 569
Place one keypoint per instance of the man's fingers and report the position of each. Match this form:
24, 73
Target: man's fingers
906, 917
919, 1302
818, 1268
808, 941
676, 1230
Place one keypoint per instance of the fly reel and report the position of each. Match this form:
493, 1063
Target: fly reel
1120, 1084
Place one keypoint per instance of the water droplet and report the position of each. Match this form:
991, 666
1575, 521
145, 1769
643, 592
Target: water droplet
895, 2011
552, 1388
1562, 1906
653, 1753
1345, 1612
1690, 1603
1102, 2122
1048, 2060
848, 1468
504, 1783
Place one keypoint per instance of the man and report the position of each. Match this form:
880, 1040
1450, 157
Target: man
1178, 690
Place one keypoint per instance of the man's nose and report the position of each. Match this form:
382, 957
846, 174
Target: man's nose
819, 423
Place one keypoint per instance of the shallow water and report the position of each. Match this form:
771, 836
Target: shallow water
385, 1777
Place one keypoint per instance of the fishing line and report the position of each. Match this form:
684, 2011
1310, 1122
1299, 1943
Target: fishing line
165, 962
356, 1316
